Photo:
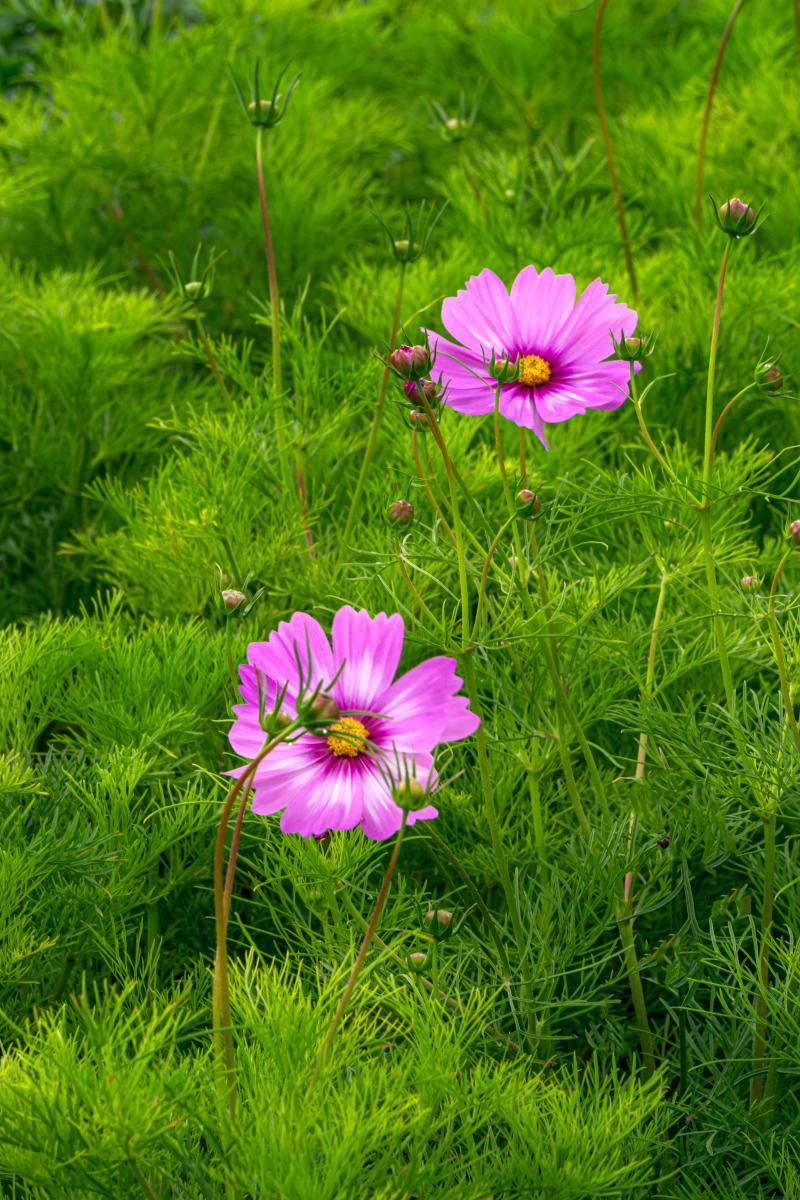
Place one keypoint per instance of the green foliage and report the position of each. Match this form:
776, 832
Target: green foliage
140, 473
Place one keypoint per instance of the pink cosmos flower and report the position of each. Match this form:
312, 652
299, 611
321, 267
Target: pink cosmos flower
563, 347
386, 730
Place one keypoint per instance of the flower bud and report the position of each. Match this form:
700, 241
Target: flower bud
410, 361
794, 530
418, 420
409, 794
749, 581
417, 960
455, 129
276, 722
531, 504
663, 842
735, 217
232, 598
194, 288
413, 387
441, 916
321, 707
634, 348
400, 512
768, 377
263, 108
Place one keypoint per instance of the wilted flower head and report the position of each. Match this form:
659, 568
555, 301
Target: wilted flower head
563, 347
382, 736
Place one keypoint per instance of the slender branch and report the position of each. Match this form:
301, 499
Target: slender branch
604, 130
625, 923
712, 87
724, 414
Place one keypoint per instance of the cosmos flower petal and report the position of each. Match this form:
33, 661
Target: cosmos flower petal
297, 654
424, 709
542, 304
517, 404
246, 734
481, 313
334, 802
370, 649
587, 332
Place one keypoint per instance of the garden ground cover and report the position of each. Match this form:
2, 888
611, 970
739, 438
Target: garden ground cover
148, 462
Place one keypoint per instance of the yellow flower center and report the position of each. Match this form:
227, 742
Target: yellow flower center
351, 740
533, 370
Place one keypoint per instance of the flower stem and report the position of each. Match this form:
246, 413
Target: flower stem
625, 921
374, 428
651, 667
712, 87
637, 407
275, 316
606, 136
780, 659
221, 1009
705, 512
362, 954
563, 707
767, 905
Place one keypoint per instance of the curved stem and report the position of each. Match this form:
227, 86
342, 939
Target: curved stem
362, 954
374, 428
625, 922
650, 671
723, 415
777, 645
637, 408
212, 362
425, 478
457, 526
275, 317
415, 591
705, 512
712, 87
767, 906
485, 574
612, 170
221, 1012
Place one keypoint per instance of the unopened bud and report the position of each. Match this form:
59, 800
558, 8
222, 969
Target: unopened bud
194, 288
749, 581
663, 842
408, 794
274, 722
264, 107
441, 916
794, 530
454, 129
530, 501
418, 420
736, 217
768, 377
417, 960
413, 388
322, 708
410, 361
232, 598
400, 512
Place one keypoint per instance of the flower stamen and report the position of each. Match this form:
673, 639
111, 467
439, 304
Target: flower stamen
533, 370
352, 741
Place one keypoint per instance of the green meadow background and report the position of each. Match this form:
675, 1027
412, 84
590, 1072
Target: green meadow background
133, 487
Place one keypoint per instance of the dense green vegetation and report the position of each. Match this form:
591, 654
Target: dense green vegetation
136, 482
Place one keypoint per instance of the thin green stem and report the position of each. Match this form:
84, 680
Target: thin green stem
374, 428
625, 921
724, 414
712, 87
221, 1010
637, 407
650, 670
767, 906
705, 512
458, 530
550, 652
275, 316
606, 136
362, 954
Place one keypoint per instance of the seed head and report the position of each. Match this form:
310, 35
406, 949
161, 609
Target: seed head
400, 512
